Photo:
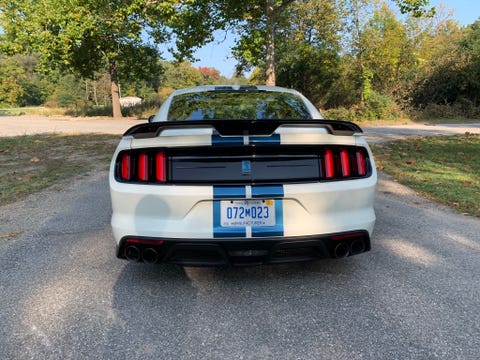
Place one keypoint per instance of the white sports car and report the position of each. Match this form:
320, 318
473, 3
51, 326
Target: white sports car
241, 175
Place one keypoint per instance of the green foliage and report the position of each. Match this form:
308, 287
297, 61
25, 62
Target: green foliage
69, 94
180, 75
444, 168
417, 8
450, 84
91, 36
375, 107
11, 78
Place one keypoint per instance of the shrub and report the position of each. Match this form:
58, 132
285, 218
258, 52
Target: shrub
376, 107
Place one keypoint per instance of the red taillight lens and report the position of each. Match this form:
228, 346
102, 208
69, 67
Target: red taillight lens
160, 166
143, 167
329, 164
361, 163
345, 163
126, 165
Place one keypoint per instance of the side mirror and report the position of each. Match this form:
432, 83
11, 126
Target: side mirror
150, 118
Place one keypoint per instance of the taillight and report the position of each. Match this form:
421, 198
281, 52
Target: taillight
343, 163
142, 166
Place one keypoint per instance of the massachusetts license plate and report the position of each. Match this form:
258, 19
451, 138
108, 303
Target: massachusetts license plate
241, 213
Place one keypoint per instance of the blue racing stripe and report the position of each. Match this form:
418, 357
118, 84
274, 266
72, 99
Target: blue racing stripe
218, 140
226, 192
273, 139
229, 192
269, 192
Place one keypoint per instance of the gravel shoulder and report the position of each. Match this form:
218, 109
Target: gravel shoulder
29, 125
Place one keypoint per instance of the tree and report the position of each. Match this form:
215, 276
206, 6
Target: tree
210, 75
179, 75
87, 36
11, 78
257, 22
260, 22
388, 51
308, 55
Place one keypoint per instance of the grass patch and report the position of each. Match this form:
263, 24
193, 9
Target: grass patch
32, 163
32, 110
443, 168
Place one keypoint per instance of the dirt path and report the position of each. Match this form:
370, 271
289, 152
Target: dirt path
29, 125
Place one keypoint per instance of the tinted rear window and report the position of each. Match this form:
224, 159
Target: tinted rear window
237, 105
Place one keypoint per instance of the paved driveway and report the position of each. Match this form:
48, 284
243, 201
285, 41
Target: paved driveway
65, 296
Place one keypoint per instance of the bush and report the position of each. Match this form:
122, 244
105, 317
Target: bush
463, 108
376, 107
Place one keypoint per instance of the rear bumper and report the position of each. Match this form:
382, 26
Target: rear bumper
244, 252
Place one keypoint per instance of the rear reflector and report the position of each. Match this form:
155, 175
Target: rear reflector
129, 241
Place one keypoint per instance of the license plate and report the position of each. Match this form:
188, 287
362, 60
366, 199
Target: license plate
242, 213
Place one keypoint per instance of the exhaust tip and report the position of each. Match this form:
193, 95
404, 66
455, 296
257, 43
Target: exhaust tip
341, 250
357, 246
132, 253
150, 255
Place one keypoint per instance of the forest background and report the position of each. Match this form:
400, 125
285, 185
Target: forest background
359, 60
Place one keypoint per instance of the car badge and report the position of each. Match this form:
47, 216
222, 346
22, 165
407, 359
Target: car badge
246, 167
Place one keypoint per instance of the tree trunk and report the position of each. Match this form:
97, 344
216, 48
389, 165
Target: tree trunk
117, 110
270, 57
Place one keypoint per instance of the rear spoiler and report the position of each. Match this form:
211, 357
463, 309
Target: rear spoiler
243, 127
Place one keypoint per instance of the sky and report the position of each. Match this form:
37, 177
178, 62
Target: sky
217, 54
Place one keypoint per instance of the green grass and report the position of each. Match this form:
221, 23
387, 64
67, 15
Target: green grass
33, 163
32, 110
443, 168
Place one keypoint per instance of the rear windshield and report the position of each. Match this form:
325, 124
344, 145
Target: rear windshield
237, 105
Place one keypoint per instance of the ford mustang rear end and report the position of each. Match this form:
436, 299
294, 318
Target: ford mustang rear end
241, 176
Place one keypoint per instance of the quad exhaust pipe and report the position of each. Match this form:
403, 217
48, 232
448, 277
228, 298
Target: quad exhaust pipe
344, 249
341, 250
149, 255
357, 247
132, 253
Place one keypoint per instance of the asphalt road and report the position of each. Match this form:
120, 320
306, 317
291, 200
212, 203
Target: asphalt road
64, 295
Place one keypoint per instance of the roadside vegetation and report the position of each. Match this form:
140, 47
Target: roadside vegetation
445, 169
33, 163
